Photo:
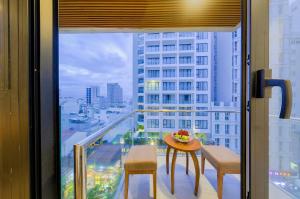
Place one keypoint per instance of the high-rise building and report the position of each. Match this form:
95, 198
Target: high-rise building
114, 94
226, 89
188, 71
92, 94
172, 70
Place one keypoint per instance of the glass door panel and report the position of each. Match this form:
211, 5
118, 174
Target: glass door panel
284, 135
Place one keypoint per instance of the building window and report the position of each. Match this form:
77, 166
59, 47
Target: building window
185, 47
141, 40
140, 61
202, 86
141, 80
141, 99
141, 118
152, 123
153, 48
217, 140
227, 129
140, 71
185, 99
169, 86
186, 34
185, 60
235, 34
154, 35
169, 113
235, 73
185, 86
153, 60
234, 87
169, 99
153, 99
140, 107
141, 90
169, 34
185, 72
227, 116
235, 46
202, 35
185, 124
169, 60
185, 113
153, 73
152, 86
169, 123
201, 124
235, 60
202, 47
235, 129
169, 73
201, 111
202, 98
202, 60
227, 142
236, 143
153, 108
169, 47
217, 128
217, 116
202, 73
140, 50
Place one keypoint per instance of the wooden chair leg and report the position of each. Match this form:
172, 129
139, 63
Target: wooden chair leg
173, 170
167, 159
197, 172
126, 185
187, 164
202, 164
220, 184
154, 184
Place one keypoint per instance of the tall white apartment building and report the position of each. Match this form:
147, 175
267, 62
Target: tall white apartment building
189, 71
173, 71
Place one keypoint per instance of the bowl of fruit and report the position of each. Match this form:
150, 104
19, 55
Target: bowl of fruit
182, 136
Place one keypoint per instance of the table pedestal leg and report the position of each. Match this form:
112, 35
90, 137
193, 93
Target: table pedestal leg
197, 172
167, 159
187, 164
173, 170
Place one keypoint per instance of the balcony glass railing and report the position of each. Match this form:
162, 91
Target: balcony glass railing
99, 158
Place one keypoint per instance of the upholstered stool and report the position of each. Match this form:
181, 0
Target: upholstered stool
224, 160
140, 160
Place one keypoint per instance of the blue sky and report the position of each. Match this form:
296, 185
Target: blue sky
93, 59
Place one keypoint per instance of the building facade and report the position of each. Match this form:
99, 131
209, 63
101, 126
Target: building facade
92, 94
114, 94
184, 71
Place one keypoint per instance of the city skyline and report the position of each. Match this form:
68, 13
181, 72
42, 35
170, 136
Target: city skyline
94, 59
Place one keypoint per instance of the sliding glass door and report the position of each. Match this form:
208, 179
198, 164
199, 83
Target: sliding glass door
275, 137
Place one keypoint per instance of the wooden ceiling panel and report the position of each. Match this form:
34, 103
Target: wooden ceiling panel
150, 14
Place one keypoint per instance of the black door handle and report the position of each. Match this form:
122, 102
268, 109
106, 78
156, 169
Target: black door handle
286, 90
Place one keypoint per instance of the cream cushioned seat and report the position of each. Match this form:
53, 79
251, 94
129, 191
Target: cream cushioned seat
223, 159
141, 158
220, 156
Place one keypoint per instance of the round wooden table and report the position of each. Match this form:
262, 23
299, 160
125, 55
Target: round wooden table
192, 147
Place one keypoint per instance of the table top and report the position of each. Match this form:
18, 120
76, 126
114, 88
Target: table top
193, 145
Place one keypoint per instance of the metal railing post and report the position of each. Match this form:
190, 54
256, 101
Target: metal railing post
80, 172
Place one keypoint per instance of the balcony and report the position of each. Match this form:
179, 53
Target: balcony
99, 160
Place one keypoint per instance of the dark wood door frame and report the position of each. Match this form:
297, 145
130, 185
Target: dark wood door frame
45, 144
